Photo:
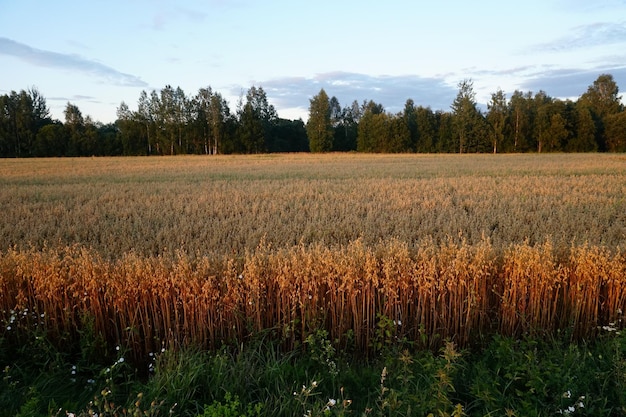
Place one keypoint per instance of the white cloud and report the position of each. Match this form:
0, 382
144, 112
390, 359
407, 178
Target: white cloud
571, 82
50, 59
594, 34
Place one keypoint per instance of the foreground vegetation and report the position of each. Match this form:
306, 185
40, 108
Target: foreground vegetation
339, 284
505, 376
458, 293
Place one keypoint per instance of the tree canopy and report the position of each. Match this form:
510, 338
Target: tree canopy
319, 128
169, 121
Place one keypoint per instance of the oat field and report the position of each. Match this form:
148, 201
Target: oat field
372, 248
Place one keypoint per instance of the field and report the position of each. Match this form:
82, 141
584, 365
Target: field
227, 205
368, 251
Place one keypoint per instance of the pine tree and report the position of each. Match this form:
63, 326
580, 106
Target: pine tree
466, 116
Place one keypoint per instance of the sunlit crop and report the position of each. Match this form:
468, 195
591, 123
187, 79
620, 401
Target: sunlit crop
373, 249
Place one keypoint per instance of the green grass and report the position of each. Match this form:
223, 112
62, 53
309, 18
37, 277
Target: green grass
526, 377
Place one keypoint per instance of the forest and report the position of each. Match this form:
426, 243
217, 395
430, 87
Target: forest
171, 122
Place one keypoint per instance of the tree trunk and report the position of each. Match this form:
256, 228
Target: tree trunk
148, 139
516, 130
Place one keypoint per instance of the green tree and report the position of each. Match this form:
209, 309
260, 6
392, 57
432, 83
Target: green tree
289, 136
427, 131
379, 131
51, 140
336, 112
21, 116
169, 111
497, 112
250, 133
6, 143
75, 127
603, 100
180, 108
109, 139
410, 119
446, 141
90, 144
372, 127
399, 136
584, 138
146, 114
157, 121
167, 119
603, 96
219, 116
346, 128
615, 131
553, 125
212, 114
466, 118
319, 128
521, 121
542, 104
131, 131
256, 119
557, 133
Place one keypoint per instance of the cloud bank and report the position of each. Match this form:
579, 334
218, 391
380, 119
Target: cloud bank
437, 93
70, 62
571, 82
390, 91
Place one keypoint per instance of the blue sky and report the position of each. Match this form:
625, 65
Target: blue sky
98, 53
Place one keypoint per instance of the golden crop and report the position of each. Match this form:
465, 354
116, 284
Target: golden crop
207, 250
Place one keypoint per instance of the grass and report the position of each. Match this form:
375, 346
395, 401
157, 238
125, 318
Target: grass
507, 376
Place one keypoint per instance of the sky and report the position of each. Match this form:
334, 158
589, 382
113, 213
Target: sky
96, 54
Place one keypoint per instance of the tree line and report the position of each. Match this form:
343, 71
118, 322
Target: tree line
166, 122
169, 122
526, 122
